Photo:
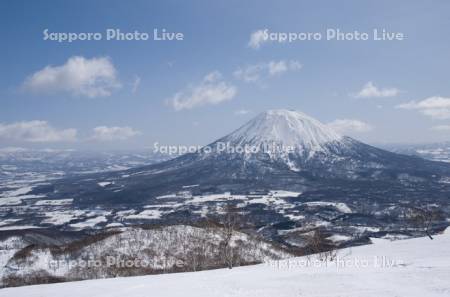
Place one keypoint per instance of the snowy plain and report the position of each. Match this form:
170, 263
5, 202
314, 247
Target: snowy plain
411, 267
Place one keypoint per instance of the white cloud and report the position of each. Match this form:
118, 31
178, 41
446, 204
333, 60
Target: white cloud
35, 131
135, 84
257, 72
435, 102
250, 73
442, 128
242, 112
435, 107
257, 38
344, 126
104, 133
211, 90
369, 90
277, 67
438, 114
96, 77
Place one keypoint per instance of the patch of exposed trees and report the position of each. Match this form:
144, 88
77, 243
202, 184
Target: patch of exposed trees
320, 246
422, 218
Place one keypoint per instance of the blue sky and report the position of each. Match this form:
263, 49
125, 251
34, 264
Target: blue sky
125, 98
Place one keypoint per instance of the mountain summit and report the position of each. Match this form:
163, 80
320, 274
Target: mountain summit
285, 128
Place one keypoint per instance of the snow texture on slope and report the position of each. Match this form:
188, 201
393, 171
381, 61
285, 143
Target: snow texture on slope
409, 268
286, 128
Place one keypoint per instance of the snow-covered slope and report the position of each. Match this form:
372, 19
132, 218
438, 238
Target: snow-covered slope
157, 250
413, 267
285, 128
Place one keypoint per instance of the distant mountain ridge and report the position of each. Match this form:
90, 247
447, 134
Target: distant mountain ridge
324, 180
317, 154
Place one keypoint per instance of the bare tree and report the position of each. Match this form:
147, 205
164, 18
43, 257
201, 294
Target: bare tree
318, 244
229, 226
422, 218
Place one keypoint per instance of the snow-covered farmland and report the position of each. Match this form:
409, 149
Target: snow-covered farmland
342, 207
54, 202
89, 223
61, 217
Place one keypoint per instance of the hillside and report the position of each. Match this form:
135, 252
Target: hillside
412, 267
37, 258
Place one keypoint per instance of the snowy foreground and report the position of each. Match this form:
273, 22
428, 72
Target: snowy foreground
412, 267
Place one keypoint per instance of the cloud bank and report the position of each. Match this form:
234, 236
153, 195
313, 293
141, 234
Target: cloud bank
260, 71
369, 90
35, 131
257, 38
211, 90
104, 133
435, 107
345, 126
96, 77
242, 112
441, 128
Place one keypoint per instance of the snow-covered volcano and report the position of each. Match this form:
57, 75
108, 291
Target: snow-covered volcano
286, 138
308, 154
336, 175
286, 128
